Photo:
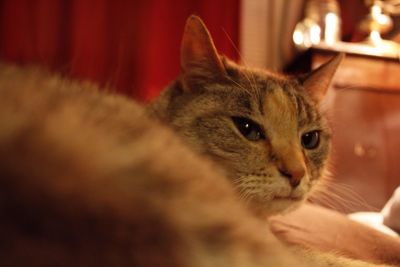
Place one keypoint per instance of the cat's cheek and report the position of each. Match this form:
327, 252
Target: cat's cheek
316, 161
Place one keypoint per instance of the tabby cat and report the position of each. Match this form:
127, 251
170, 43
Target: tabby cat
87, 178
264, 129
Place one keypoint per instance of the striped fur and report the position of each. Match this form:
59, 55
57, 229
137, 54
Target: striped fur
200, 105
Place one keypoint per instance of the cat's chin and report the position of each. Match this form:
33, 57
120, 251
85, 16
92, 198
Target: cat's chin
278, 205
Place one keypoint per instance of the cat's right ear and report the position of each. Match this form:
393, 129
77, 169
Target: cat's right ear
317, 82
199, 57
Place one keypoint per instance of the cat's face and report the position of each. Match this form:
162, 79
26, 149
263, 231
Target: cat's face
263, 129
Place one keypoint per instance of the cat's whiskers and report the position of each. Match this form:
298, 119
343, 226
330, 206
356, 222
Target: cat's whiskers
240, 181
242, 60
244, 190
332, 201
240, 86
326, 201
256, 89
348, 192
252, 82
340, 196
244, 194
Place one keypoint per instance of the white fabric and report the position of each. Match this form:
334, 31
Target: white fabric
374, 220
391, 211
386, 221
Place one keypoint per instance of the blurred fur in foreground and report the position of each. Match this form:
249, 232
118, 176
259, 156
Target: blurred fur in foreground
86, 179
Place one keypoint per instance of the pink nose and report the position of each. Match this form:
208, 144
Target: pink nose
294, 175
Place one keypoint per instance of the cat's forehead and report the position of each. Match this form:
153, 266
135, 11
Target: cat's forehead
276, 97
277, 100
260, 87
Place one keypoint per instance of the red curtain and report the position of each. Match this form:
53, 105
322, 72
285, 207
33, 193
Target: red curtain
132, 46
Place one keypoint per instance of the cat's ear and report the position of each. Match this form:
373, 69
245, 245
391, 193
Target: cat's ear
317, 82
199, 57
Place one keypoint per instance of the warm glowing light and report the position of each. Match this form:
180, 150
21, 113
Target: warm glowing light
377, 15
376, 11
331, 25
315, 34
375, 37
382, 19
298, 38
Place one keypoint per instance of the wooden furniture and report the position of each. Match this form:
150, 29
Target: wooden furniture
363, 106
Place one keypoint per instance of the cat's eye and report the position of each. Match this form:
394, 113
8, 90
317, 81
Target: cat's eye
310, 140
248, 128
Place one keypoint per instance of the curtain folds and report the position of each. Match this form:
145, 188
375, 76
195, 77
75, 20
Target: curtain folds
132, 46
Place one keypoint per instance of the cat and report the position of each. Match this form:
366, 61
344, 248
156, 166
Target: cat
89, 178
264, 129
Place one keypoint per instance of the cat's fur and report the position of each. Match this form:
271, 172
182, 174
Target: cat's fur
212, 90
87, 179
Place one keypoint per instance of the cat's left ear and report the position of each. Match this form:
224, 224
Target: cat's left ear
199, 57
317, 82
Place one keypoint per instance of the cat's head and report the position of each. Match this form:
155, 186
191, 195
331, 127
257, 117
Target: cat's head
263, 128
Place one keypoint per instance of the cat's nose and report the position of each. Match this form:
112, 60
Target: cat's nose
294, 175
